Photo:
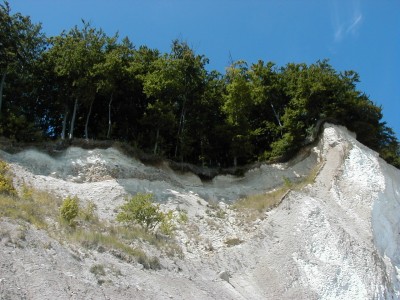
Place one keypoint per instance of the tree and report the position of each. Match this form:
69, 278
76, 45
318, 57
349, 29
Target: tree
169, 104
112, 70
178, 80
75, 56
269, 102
206, 125
129, 100
237, 106
21, 43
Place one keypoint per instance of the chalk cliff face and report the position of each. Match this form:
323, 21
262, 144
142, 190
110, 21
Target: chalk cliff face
337, 238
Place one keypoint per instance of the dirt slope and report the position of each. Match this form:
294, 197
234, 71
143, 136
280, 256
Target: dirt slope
335, 239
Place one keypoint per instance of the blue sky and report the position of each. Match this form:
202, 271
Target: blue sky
360, 35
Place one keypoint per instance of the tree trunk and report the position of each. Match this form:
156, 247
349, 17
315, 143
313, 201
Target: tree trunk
71, 131
181, 140
180, 127
109, 117
276, 116
3, 80
64, 124
87, 120
156, 144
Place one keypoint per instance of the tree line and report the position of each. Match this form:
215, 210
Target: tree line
84, 83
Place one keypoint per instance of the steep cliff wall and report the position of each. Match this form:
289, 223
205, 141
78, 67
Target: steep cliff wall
337, 238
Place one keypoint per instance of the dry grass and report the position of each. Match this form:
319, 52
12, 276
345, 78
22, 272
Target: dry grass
35, 208
310, 178
254, 206
39, 208
262, 202
31, 206
233, 242
113, 244
42, 210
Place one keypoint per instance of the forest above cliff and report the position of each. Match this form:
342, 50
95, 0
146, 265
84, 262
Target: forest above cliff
84, 83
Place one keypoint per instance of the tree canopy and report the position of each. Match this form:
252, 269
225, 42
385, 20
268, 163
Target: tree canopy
86, 84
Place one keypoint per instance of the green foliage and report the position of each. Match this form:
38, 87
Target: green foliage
69, 209
26, 192
33, 206
6, 184
36, 208
18, 128
167, 225
288, 183
169, 104
283, 146
141, 210
183, 217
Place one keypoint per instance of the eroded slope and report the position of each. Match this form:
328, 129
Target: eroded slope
337, 238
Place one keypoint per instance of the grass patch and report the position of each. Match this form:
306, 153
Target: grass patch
98, 270
45, 211
233, 242
255, 205
214, 210
262, 202
32, 206
310, 178
114, 244
162, 243
36, 209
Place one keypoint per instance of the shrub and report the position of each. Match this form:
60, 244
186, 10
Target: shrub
183, 217
6, 185
26, 192
98, 270
167, 225
69, 209
283, 147
141, 210
87, 213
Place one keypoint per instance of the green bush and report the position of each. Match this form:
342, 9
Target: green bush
183, 217
6, 185
167, 225
69, 209
284, 146
141, 210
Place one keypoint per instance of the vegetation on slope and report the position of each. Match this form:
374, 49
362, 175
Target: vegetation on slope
68, 220
84, 83
254, 206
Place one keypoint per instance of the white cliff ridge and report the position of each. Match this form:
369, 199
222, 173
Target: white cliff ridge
337, 238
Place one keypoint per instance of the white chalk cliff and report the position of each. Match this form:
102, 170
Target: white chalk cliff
338, 238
